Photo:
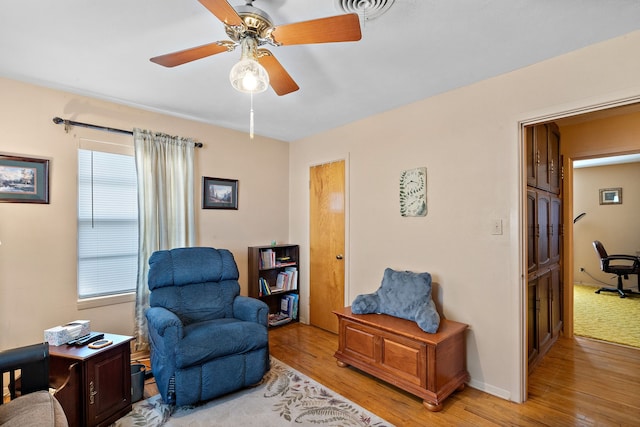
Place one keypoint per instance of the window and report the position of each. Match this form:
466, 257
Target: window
107, 223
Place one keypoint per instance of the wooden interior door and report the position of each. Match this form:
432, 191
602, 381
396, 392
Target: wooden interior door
326, 243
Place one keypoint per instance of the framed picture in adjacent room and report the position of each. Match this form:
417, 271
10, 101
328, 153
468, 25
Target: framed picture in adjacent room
219, 193
611, 196
24, 179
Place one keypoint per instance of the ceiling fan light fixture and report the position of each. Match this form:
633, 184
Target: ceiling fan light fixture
248, 75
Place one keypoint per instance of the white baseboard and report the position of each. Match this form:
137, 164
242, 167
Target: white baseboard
488, 388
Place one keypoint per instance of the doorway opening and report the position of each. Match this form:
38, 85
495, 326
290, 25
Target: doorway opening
576, 146
613, 222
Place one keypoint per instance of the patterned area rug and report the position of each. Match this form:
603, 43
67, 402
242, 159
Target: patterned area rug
284, 397
606, 316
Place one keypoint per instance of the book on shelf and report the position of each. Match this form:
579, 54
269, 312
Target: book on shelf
287, 280
263, 286
285, 306
267, 258
295, 305
284, 264
293, 277
276, 319
289, 305
284, 261
282, 281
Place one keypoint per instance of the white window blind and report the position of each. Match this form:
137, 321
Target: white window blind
107, 224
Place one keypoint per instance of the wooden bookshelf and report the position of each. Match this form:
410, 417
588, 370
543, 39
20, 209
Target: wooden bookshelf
274, 272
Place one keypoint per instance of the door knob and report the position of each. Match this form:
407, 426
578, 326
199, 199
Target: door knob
339, 256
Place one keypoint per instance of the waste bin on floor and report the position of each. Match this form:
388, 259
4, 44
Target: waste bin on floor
137, 381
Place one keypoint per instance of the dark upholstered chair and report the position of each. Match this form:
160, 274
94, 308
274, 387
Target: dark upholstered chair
206, 340
620, 265
34, 406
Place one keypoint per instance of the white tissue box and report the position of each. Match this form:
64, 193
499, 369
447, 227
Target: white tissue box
59, 335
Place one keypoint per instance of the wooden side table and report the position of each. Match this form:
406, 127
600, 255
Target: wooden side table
94, 386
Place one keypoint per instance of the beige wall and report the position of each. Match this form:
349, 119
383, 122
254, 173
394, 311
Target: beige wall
616, 226
616, 132
469, 140
38, 242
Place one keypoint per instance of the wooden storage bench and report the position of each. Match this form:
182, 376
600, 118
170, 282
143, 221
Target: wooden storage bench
430, 366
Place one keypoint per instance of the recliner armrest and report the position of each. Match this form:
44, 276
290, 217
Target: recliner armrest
160, 319
165, 333
250, 310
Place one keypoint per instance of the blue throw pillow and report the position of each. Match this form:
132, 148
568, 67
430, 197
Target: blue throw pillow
402, 294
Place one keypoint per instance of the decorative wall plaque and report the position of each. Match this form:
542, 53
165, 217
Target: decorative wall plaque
413, 192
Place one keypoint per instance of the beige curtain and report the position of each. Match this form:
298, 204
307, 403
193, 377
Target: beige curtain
164, 165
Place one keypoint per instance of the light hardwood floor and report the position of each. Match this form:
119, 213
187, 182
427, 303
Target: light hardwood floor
580, 382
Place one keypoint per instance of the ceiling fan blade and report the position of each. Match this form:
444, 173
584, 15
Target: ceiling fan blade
341, 28
223, 11
188, 55
280, 80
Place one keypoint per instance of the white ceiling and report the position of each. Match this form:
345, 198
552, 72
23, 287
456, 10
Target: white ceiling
417, 49
606, 161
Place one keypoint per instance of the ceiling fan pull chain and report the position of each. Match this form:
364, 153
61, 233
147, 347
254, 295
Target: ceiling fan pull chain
251, 118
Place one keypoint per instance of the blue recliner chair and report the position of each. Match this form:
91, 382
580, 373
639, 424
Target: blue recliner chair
206, 340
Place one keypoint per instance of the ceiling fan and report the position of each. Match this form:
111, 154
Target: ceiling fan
250, 28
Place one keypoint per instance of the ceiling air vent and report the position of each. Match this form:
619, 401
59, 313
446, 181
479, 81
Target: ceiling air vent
367, 9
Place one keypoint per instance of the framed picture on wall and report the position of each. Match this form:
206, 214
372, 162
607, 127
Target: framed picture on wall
219, 193
611, 196
24, 180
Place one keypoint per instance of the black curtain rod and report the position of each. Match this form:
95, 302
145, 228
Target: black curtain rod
59, 121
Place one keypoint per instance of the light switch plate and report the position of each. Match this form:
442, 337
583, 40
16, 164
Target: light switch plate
497, 227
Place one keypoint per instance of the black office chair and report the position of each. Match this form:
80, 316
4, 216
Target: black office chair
620, 265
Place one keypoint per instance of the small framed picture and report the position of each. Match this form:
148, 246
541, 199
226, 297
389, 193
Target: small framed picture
219, 193
24, 180
611, 196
